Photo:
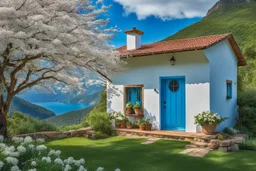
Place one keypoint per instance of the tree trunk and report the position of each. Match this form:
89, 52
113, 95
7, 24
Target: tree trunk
3, 123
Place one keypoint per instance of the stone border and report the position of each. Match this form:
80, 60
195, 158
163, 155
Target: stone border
53, 135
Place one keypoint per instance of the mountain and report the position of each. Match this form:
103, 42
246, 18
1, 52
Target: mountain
227, 16
30, 109
231, 16
70, 118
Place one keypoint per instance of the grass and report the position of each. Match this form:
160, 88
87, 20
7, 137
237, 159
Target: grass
163, 155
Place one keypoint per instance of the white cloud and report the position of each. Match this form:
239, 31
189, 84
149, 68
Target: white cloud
167, 9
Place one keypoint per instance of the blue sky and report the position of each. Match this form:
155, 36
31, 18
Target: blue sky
157, 18
156, 24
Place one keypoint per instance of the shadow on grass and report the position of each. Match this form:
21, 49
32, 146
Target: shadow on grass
163, 155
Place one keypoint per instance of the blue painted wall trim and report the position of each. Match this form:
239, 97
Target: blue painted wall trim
161, 86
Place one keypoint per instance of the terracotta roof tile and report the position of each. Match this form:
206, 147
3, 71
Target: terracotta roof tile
190, 44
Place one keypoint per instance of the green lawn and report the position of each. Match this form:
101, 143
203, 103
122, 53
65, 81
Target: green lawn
163, 155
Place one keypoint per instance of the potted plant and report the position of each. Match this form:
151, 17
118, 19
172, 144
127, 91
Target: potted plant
209, 121
136, 124
142, 124
149, 124
137, 109
129, 124
123, 122
117, 123
129, 108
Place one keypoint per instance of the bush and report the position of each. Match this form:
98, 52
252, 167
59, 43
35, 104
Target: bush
100, 123
71, 127
229, 131
23, 124
248, 144
247, 110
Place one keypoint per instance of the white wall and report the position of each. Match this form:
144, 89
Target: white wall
148, 70
223, 66
133, 41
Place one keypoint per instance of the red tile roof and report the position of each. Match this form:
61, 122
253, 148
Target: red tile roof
190, 44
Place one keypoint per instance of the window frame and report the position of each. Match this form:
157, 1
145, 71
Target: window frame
229, 88
142, 95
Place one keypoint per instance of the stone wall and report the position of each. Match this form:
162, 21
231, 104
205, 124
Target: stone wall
52, 135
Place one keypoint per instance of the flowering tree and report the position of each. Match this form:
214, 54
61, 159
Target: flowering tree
46, 44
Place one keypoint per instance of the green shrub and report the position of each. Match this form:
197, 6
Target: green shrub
136, 106
248, 144
23, 124
247, 111
71, 127
100, 122
129, 105
229, 131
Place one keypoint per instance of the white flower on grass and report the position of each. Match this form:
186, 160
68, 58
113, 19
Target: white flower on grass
32, 170
59, 161
70, 160
82, 161
1, 139
117, 169
81, 168
55, 153
31, 146
33, 163
12, 160
28, 139
17, 139
15, 168
1, 164
100, 169
47, 159
2, 146
41, 148
40, 140
67, 168
11, 149
21, 149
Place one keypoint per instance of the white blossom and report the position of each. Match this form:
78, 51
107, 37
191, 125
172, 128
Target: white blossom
55, 153
32, 169
41, 148
17, 139
67, 168
28, 139
31, 146
40, 140
12, 160
46, 159
1, 139
81, 168
2, 146
33, 163
1, 164
15, 168
100, 169
21, 149
59, 161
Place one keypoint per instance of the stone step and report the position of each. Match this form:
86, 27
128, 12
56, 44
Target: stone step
199, 144
190, 146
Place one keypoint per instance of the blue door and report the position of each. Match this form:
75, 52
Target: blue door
173, 103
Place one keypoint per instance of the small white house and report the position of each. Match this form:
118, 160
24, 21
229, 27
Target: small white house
177, 79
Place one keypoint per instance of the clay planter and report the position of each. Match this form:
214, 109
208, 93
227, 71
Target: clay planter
209, 129
129, 111
117, 124
149, 127
142, 127
123, 124
137, 112
129, 126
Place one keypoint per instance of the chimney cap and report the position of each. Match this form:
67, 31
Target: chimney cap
134, 31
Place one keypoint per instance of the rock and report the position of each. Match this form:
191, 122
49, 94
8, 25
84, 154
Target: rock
237, 140
225, 143
234, 148
223, 149
214, 144
229, 148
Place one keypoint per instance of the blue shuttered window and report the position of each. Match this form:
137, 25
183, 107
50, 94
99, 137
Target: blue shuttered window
134, 95
229, 89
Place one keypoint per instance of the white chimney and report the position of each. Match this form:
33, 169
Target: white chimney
133, 38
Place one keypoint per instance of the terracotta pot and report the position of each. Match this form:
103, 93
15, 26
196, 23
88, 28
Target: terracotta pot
149, 127
142, 127
123, 124
129, 126
117, 124
137, 112
209, 129
129, 111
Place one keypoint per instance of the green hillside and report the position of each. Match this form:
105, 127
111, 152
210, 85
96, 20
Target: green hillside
30, 109
236, 18
70, 118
